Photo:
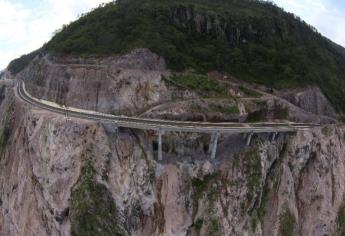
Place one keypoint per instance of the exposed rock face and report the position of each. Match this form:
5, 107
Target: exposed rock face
220, 27
56, 175
310, 99
125, 84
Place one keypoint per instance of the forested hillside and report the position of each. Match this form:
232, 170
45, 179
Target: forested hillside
253, 40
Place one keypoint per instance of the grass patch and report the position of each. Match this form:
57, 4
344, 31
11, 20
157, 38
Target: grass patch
200, 83
227, 109
287, 223
341, 221
93, 210
249, 93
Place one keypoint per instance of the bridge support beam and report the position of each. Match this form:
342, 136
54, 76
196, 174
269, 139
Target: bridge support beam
213, 145
249, 139
160, 149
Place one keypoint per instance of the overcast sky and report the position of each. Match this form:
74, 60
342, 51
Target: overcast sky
26, 25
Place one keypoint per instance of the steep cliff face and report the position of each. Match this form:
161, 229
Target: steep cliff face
234, 31
310, 99
119, 85
62, 177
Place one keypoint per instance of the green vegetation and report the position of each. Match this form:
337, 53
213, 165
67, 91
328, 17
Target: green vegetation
19, 64
198, 224
256, 116
201, 185
199, 83
93, 210
341, 221
255, 41
342, 119
2, 93
326, 130
204, 187
228, 110
214, 228
5, 132
248, 92
281, 113
287, 223
253, 171
4, 138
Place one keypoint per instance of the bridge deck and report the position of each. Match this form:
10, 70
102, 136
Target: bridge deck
156, 124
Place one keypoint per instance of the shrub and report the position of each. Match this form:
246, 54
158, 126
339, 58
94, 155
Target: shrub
287, 223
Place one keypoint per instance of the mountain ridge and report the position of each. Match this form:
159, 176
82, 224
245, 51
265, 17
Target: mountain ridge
255, 41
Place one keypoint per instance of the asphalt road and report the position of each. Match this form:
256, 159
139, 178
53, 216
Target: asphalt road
165, 125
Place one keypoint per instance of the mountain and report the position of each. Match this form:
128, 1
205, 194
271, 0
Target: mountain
216, 61
254, 41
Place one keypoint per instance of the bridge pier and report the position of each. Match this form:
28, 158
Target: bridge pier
249, 139
160, 149
213, 145
116, 131
274, 136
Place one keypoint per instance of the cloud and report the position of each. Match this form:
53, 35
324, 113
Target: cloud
26, 27
328, 16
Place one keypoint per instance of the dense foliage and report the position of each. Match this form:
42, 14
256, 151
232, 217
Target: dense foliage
19, 64
93, 211
253, 40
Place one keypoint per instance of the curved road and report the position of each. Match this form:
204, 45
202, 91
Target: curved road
162, 125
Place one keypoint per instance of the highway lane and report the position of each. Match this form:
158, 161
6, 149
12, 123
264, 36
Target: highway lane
164, 125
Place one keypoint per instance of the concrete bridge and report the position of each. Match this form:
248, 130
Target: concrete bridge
163, 126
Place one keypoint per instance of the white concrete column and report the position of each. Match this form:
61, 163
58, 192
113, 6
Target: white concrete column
210, 147
274, 135
67, 117
249, 139
160, 149
214, 144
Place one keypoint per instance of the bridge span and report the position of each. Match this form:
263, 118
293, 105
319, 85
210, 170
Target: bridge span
162, 126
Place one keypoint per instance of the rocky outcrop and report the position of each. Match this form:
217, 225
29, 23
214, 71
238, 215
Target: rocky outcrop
61, 177
310, 99
120, 85
194, 19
